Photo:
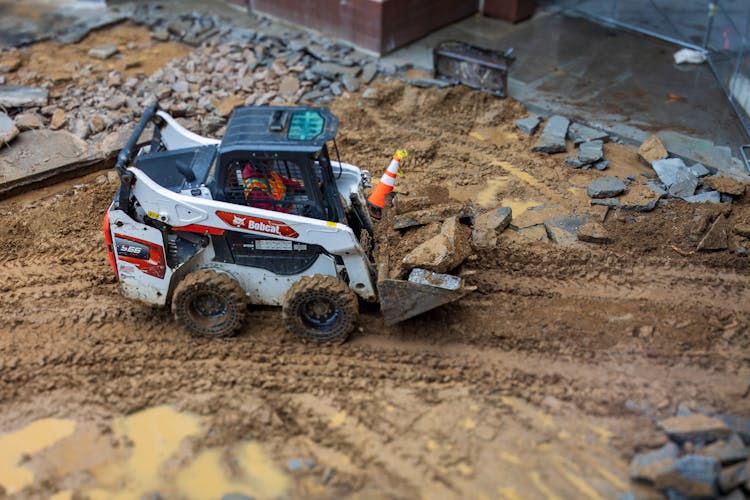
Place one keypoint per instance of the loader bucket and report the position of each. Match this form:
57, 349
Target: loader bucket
423, 291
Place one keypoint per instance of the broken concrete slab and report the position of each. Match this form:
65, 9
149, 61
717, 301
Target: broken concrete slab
563, 229
650, 465
652, 150
606, 202
443, 252
726, 451
437, 213
29, 121
695, 428
17, 96
738, 424
528, 125
606, 187
657, 187
685, 186
725, 185
706, 197
593, 232
489, 225
350, 82
601, 165
537, 215
717, 237
534, 233
553, 136
8, 129
732, 477
591, 151
103, 51
369, 71
579, 133
699, 170
691, 476
670, 170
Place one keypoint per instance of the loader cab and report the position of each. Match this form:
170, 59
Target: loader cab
276, 158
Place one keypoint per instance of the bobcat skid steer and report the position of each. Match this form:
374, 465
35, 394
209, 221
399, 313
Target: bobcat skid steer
264, 216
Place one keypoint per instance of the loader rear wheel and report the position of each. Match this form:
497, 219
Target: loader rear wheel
320, 309
209, 304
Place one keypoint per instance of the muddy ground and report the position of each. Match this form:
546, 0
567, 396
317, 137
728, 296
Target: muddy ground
520, 390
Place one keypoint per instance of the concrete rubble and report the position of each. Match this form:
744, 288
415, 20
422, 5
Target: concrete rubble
579, 133
17, 96
443, 252
489, 225
8, 129
593, 232
606, 187
436, 213
652, 150
553, 136
704, 458
588, 153
528, 125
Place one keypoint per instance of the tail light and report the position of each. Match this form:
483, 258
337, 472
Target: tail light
108, 241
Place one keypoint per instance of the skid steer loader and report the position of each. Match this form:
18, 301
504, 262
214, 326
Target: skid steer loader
264, 216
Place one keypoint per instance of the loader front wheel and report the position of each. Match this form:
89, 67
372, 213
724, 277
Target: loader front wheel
209, 304
320, 309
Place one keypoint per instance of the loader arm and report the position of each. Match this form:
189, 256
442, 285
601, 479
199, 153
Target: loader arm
206, 216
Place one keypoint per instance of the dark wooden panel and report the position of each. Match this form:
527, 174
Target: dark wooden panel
510, 10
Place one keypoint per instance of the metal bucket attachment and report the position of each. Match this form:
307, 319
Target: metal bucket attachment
474, 67
423, 291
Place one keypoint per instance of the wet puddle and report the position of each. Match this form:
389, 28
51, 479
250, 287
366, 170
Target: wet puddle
147, 452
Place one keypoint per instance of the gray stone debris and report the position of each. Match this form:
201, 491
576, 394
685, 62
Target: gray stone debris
691, 476
351, 82
733, 477
553, 136
601, 165
657, 187
489, 225
29, 121
563, 229
650, 465
529, 124
740, 425
425, 83
726, 452
8, 129
103, 51
606, 202
369, 72
675, 175
699, 170
15, 96
695, 428
590, 152
579, 133
706, 197
605, 187
436, 213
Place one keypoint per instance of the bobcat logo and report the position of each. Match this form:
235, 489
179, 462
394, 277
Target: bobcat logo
239, 221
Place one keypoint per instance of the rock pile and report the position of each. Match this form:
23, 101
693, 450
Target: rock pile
694, 184
706, 456
229, 67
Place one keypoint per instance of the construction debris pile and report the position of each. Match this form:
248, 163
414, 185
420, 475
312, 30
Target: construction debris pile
705, 455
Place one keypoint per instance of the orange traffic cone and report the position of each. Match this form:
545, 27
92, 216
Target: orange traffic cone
376, 201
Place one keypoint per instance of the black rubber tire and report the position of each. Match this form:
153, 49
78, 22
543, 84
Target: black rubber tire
320, 309
209, 304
